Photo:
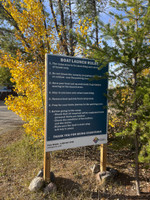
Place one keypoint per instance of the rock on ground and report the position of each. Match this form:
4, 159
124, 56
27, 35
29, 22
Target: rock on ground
40, 173
52, 176
36, 184
51, 187
106, 176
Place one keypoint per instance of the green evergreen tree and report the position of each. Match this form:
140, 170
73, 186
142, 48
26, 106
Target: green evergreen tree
129, 50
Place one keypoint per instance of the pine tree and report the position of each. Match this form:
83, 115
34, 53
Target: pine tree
130, 52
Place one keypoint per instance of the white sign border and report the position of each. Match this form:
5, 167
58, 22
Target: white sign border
76, 142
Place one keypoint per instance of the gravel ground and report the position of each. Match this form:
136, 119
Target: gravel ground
8, 119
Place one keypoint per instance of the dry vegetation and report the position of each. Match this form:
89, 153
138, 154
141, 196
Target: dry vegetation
21, 161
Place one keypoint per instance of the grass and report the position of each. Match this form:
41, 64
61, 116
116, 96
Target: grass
22, 158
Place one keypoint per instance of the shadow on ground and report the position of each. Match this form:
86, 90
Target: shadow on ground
67, 187
99, 195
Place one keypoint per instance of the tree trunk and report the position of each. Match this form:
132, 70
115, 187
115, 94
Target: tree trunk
64, 27
96, 24
64, 45
137, 163
136, 137
135, 108
45, 25
70, 35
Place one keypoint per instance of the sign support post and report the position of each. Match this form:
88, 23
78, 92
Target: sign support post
47, 158
103, 157
47, 163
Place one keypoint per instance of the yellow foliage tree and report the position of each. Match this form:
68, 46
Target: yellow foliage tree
39, 28
27, 68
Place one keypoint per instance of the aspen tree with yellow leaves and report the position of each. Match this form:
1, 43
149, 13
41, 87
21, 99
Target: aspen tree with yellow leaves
35, 27
36, 37
26, 66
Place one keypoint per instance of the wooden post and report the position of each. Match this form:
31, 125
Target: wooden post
103, 157
47, 167
47, 159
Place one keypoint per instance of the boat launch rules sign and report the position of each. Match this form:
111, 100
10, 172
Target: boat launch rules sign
76, 113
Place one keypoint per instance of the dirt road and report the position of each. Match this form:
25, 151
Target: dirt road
8, 119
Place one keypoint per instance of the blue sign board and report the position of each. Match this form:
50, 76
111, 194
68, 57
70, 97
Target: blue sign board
76, 102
